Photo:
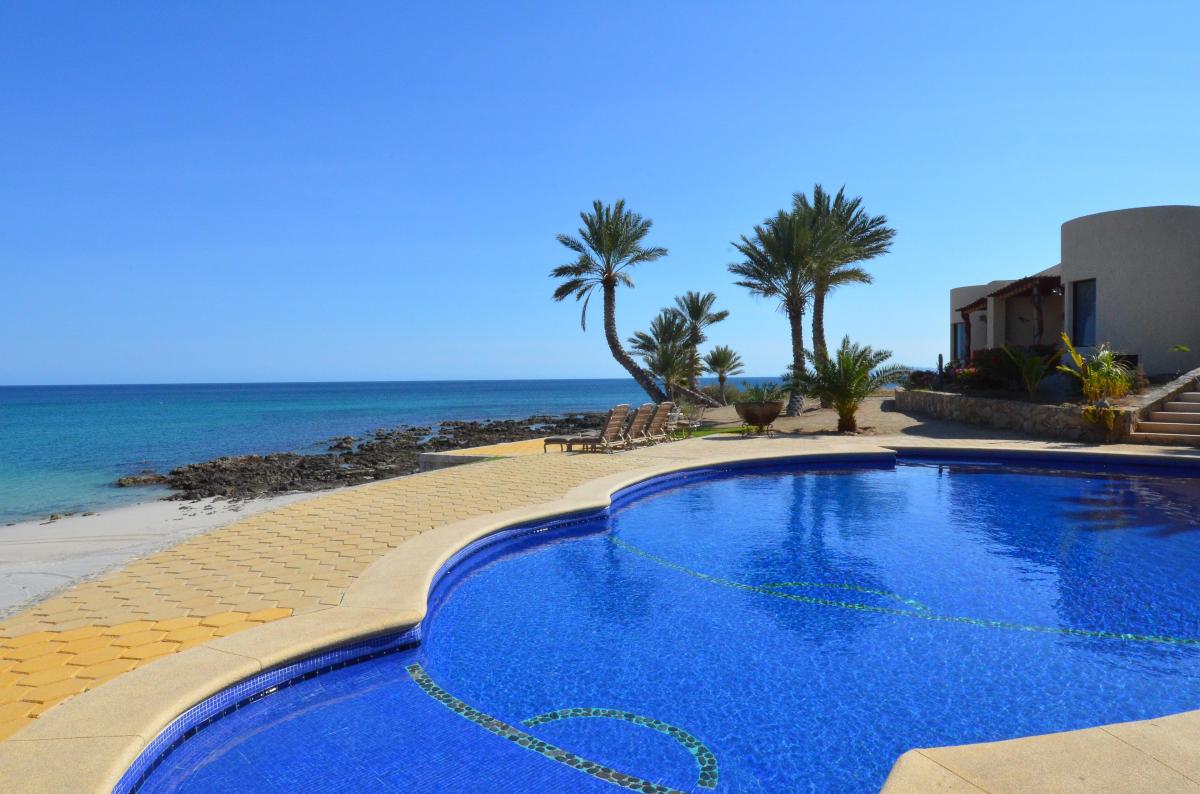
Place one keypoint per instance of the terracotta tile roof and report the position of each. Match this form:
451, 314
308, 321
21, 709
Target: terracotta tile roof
1019, 287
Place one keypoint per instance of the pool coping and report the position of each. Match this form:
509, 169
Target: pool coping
89, 742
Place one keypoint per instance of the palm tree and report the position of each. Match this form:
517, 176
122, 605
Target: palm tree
854, 236
666, 351
697, 310
846, 379
675, 365
723, 362
609, 244
779, 262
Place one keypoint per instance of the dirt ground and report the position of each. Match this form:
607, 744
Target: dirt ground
876, 416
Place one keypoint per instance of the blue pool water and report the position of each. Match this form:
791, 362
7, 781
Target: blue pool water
763, 630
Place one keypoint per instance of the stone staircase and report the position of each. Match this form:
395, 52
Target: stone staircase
1178, 421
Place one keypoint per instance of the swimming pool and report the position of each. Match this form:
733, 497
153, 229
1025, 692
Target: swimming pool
781, 628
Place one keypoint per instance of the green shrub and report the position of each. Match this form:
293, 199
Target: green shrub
1101, 376
920, 379
997, 369
761, 393
1032, 368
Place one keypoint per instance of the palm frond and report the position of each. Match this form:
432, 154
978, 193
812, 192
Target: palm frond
608, 242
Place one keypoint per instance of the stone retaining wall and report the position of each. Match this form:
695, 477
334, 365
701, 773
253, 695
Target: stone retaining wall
1043, 421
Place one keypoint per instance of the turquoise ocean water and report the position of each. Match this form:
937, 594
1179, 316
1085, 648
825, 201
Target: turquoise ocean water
62, 447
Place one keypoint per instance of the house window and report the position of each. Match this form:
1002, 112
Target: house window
1083, 312
960, 352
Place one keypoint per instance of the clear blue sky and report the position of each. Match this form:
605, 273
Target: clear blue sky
285, 191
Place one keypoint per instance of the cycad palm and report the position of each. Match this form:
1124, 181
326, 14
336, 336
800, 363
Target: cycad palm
608, 245
849, 377
853, 236
723, 362
779, 262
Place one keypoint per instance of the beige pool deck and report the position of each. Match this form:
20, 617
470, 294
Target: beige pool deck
91, 675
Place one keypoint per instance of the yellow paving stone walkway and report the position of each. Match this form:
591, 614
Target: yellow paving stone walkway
295, 559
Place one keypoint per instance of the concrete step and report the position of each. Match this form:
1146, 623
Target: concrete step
1175, 416
1185, 407
1189, 397
1176, 439
1182, 428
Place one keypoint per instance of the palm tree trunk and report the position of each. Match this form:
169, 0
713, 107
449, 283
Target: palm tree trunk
847, 422
795, 313
820, 350
643, 378
721, 385
697, 396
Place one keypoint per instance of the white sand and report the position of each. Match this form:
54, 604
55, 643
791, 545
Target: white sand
38, 558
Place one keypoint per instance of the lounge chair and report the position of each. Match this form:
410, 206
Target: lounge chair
689, 419
674, 422
656, 431
610, 437
615, 419
636, 432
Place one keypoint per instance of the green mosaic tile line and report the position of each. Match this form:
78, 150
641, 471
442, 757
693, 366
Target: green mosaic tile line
906, 613
523, 739
851, 587
704, 757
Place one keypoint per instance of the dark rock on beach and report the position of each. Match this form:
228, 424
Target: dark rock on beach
386, 453
146, 477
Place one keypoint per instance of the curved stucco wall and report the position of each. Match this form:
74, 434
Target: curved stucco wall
1146, 263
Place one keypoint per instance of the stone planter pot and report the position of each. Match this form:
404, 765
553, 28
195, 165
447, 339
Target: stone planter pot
759, 415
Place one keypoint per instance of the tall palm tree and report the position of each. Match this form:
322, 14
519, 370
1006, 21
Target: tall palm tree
666, 351
853, 236
848, 377
778, 263
697, 310
608, 245
723, 362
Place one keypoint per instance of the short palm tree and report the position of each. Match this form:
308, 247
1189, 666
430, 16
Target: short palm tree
848, 377
697, 310
778, 263
723, 362
610, 242
666, 328
854, 236
666, 351
675, 365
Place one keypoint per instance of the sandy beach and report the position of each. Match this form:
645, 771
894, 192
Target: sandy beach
38, 558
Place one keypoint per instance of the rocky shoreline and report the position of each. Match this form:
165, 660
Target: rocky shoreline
350, 460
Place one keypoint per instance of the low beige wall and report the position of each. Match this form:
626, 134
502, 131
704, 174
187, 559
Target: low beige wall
1043, 421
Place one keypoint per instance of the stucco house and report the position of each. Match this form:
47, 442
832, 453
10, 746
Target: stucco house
1127, 277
